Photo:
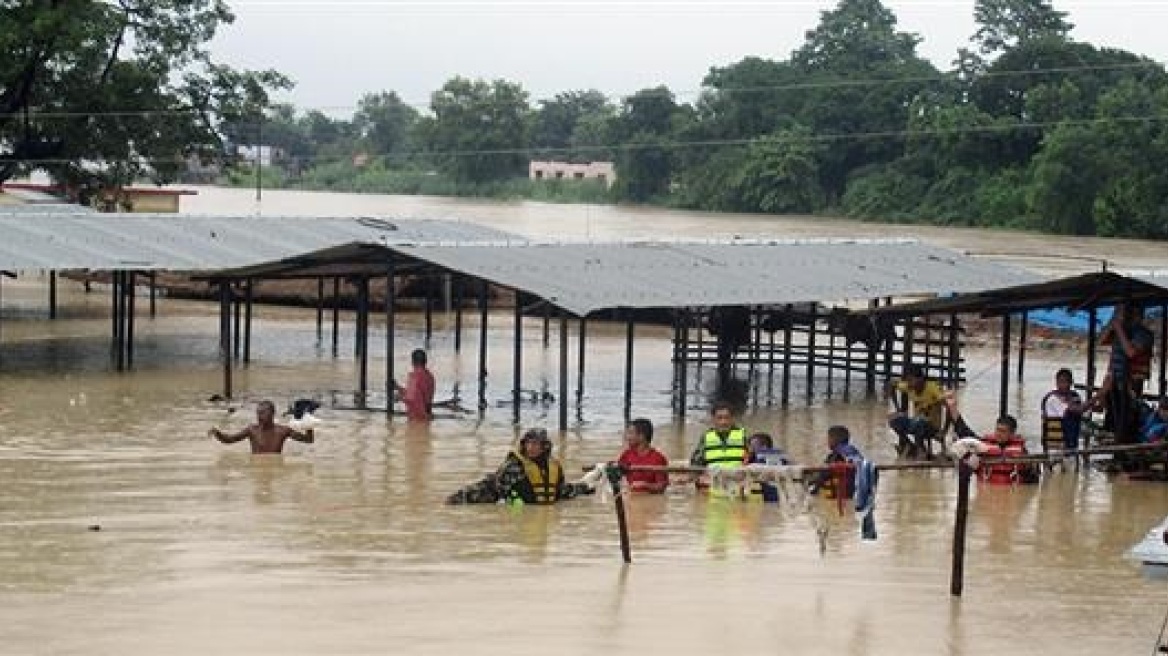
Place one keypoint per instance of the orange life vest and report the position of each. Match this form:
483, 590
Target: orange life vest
1002, 473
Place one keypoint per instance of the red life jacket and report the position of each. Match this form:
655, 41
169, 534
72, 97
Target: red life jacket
1002, 473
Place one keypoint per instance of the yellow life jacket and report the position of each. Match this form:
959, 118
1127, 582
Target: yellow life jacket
728, 453
543, 484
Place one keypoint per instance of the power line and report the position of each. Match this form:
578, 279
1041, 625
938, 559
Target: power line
793, 86
678, 145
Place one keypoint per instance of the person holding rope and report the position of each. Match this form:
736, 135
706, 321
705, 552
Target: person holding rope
418, 393
723, 445
529, 475
926, 400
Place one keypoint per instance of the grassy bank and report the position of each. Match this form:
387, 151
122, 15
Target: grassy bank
377, 179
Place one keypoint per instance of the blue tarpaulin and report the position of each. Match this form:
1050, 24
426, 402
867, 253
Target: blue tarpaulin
1076, 322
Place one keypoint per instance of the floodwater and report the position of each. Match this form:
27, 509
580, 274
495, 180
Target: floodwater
345, 547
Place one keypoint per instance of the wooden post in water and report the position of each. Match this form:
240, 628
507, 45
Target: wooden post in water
429, 310
363, 341
683, 371
153, 294
830, 356
1092, 339
237, 309
615, 476
957, 574
954, 351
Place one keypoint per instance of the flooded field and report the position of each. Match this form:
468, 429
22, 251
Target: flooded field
345, 547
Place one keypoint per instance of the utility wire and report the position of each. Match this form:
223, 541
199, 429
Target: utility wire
678, 145
793, 86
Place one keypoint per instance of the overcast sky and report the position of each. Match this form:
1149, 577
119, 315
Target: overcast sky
336, 50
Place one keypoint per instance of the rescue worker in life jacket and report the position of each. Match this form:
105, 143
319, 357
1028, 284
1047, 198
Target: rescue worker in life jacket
529, 474
1004, 442
723, 445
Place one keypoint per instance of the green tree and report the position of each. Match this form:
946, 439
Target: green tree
558, 120
478, 131
1006, 24
779, 174
102, 93
862, 75
644, 129
384, 123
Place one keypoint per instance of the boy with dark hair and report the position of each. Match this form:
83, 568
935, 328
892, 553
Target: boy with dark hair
923, 419
640, 452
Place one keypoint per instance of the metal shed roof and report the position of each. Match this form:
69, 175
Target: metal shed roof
37, 240
1081, 292
585, 277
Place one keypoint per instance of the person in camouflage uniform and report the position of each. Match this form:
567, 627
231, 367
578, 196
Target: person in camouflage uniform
529, 474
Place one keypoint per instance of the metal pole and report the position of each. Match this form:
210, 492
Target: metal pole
563, 372
390, 326
336, 314
811, 327
683, 373
870, 374
225, 335
363, 340
53, 294
1022, 331
957, 574
237, 307
547, 319
517, 362
429, 311
153, 294
121, 302
484, 289
130, 293
319, 310
581, 339
629, 334
1092, 339
248, 300
1163, 350
788, 334
1004, 392
457, 294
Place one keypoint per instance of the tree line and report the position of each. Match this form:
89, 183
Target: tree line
1027, 128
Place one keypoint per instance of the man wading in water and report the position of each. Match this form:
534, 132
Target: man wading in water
266, 435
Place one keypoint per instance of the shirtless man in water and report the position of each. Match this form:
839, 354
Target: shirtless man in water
266, 435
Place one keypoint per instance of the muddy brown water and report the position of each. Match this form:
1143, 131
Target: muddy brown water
344, 547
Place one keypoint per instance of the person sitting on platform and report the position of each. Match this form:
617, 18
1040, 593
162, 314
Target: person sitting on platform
1062, 410
1004, 442
839, 451
529, 474
761, 451
926, 398
640, 452
1155, 425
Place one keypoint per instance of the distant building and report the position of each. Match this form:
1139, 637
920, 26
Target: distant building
152, 200
266, 154
603, 171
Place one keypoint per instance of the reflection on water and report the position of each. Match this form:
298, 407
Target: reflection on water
345, 546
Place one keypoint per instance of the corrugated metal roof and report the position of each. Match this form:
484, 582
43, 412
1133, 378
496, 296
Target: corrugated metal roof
583, 278
77, 240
